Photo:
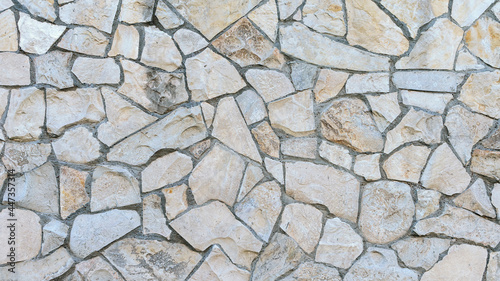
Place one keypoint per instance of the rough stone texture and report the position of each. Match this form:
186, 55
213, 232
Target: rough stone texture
435, 81
431, 101
8, 32
493, 271
165, 170
166, 16
335, 154
77, 146
407, 164
96, 13
253, 174
96, 71
420, 252
252, 107
16, 69
365, 83
300, 147
217, 266
493, 141
94, 268
385, 109
189, 41
427, 202
476, 199
28, 238
153, 219
466, 61
208, 113
482, 40
325, 16
26, 114
486, 163
199, 149
266, 17
85, 40
160, 50
313, 272
73, 195
136, 11
125, 42
293, 114
480, 93
175, 200
270, 84
54, 234
329, 84
368, 166
268, 142
303, 75
275, 168
495, 198
35, 36
24, 157
53, 68
303, 223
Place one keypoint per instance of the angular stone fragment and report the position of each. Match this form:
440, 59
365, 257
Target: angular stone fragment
495, 198
35, 36
420, 252
296, 40
160, 50
300, 147
370, 82
493, 271
348, 121
303, 223
54, 234
459, 223
416, 125
427, 202
16, 69
431, 101
252, 107
303, 75
313, 272
385, 109
136, 11
96, 71
266, 17
85, 40
153, 219
96, 13
214, 223
27, 235
73, 195
482, 40
23, 157
486, 163
329, 84
476, 199
481, 93
335, 154
267, 139
167, 18
8, 32
466, 61
466, 12
293, 114
270, 84
275, 168
54, 69
436, 81
367, 166
321, 184
165, 170
180, 129
43, 8
26, 113
189, 41
288, 7
435, 49
253, 174
175, 200
125, 42
77, 146
95, 267
217, 266
260, 208
325, 16
493, 141
407, 164
208, 113
198, 149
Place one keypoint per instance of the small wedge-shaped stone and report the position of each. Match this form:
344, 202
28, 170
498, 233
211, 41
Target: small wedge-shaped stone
217, 266
465, 12
253, 174
435, 81
493, 271
407, 164
486, 162
481, 93
325, 16
166, 170
385, 109
267, 139
313, 272
160, 50
180, 129
420, 252
275, 168
197, 150
91, 233
270, 84
175, 200
466, 61
348, 122
26, 113
329, 84
54, 234
294, 114
463, 262
85, 40
225, 170
16, 70
296, 40
210, 75
427, 203
77, 145
138, 259
73, 195
136, 11
189, 41
97, 13
368, 166
35, 36
482, 40
335, 154
153, 219
476, 199
96, 71
27, 235
435, 49
94, 267
125, 42
303, 223
266, 17
493, 141
24, 157
321, 184
444, 172
459, 223
54, 69
252, 107
8, 32
370, 82
288, 7
214, 223
373, 29
431, 101
167, 18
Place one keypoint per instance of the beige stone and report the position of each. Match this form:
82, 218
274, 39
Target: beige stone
26, 114
495, 198
23, 157
252, 107
208, 113
96, 71
476, 199
493, 271
329, 84
385, 109
253, 174
153, 219
431, 101
217, 266
8, 32
35, 36
420, 252
427, 203
266, 17
160, 50
267, 139
125, 42
482, 39
197, 150
493, 141
167, 18
166, 170
270, 84
175, 200
368, 166
53, 68
275, 168
303, 223
96, 13
433, 81
54, 234
73, 195
16, 69
136, 11
407, 164
335, 154
486, 163
300, 147
369, 82
189, 41
95, 267
325, 16
293, 114
314, 272
480, 93
288, 7
466, 61
77, 145
28, 235
85, 40
466, 12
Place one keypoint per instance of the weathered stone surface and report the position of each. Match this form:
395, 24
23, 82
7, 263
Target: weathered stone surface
335, 154
160, 50
313, 272
379, 264
416, 125
8, 32
96, 13
28, 235
180, 129
420, 252
260, 208
436, 81
325, 16
466, 12
252, 107
459, 223
175, 200
217, 266
215, 224
266, 17
5, 4
113, 186
427, 202
138, 259
153, 219
66, 108
94, 268
281, 255
493, 271
23, 157
320, 184
85, 40
293, 114
480, 93
199, 149
339, 245
495, 198
486, 163
35, 36
368, 166
225, 170
463, 262
73, 195
267, 139
329, 84
136, 11
275, 168
93, 232
493, 141
436, 47
288, 7
407, 164
253, 174
466, 61
96, 71
476, 199
54, 234
303, 75
385, 109
189, 41
77, 146
270, 84
44, 8
208, 113
482, 40
370, 82
16, 69
166, 170
296, 40
300, 147
444, 172
167, 18
125, 42
209, 75
26, 113
303, 223
431, 101
54, 69
348, 121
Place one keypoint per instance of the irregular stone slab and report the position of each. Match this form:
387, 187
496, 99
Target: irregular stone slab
252, 107
166, 170
466, 12
379, 264
208, 113
435, 49
53, 68
77, 146
434, 81
175, 200
138, 259
444, 172
387, 211
180, 129
431, 101
94, 267
91, 233
300, 147
348, 122
217, 266
368, 166
463, 262
44, 9
427, 203
166, 17
365, 83
85, 40
373, 29
136, 11
482, 40
27, 235
54, 234
325, 16
225, 169
493, 271
495, 198
416, 125
339, 245
66, 108
288, 7
486, 163
329, 84
219, 226
420, 252
407, 164
476, 199
153, 219
253, 174
270, 84
245, 45
199, 149
480, 93
35, 36
493, 141
275, 168
296, 40
267, 139
125, 42
113, 186
293, 114
16, 70
266, 17
26, 113
303, 223
335, 154
321, 184
160, 50
96, 13
313, 272
96, 71
466, 61
73, 195
188, 40
210, 75
281, 255
385, 109
459, 223
8, 32
24, 157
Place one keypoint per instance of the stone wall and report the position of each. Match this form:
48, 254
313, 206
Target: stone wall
250, 140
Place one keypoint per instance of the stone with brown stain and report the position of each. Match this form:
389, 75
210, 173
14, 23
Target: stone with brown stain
73, 195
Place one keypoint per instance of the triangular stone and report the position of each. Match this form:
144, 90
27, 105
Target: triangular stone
476, 199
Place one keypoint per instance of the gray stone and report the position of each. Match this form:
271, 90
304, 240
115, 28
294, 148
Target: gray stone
368, 83
303, 75
431, 101
54, 234
493, 271
252, 107
434, 81
420, 252
300, 147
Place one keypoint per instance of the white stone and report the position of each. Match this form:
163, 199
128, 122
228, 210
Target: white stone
368, 166
300, 147
303, 223
217, 266
208, 113
166, 17
160, 50
368, 83
314, 272
153, 219
77, 146
16, 69
94, 268
465, 12
493, 271
476, 199
43, 8
85, 40
266, 17
96, 71
288, 7
427, 203
5, 4
252, 107
480, 93
435, 81
97, 13
407, 164
335, 154
73, 195
23, 157
54, 234
482, 40
8, 32
53, 68
27, 235
325, 16
466, 61
165, 170
270, 84
275, 168
267, 139
253, 174
293, 114
175, 200
125, 42
35, 36
431, 101
329, 84
26, 113
385, 109
420, 252
189, 41
136, 11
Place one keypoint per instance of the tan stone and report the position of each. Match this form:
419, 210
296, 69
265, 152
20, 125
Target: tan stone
293, 114
166, 170
160, 50
335, 154
175, 200
486, 163
493, 141
23, 157
96, 71
369, 82
73, 195
8, 32
270, 84
466, 61
483, 40
16, 69
427, 202
253, 174
53, 68
368, 166
314, 272
85, 40
300, 147
96, 13
167, 18
329, 84
481, 93
407, 164
28, 235
325, 16
266, 17
153, 219
125, 42
431, 101
275, 168
26, 113
217, 266
35, 36
136, 11
420, 252
189, 41
267, 139
303, 223
77, 145
199, 149
476, 199
385, 109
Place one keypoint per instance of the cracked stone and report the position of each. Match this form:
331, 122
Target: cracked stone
329, 84
335, 154
217, 266
266, 17
385, 109
166, 17
476, 199
253, 174
270, 84
407, 164
53, 68
125, 42
252, 107
175, 200
153, 219
54, 234
303, 223
166, 170
24, 157
267, 139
